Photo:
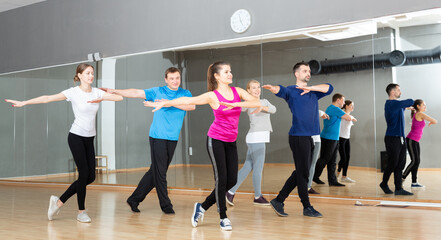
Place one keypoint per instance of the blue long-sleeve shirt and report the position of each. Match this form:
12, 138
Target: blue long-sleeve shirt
394, 114
304, 109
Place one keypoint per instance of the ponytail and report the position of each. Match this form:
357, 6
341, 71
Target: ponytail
212, 69
415, 107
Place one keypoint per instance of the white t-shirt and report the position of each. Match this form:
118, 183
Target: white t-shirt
258, 137
345, 129
85, 113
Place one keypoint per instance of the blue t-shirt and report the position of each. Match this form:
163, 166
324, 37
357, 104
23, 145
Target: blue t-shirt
394, 114
331, 127
304, 109
167, 121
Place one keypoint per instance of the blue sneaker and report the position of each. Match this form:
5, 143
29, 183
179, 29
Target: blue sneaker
417, 185
225, 224
198, 213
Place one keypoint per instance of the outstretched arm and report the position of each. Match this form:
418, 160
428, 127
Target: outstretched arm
273, 89
428, 118
128, 93
317, 88
249, 100
107, 97
38, 100
206, 98
348, 117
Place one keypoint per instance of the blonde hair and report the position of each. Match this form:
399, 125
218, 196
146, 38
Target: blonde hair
252, 81
80, 69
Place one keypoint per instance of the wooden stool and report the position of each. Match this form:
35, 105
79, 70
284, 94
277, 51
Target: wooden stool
101, 166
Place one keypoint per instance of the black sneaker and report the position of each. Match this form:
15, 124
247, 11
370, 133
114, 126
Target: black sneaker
311, 212
229, 197
278, 208
312, 191
336, 184
133, 205
168, 211
385, 188
318, 181
403, 192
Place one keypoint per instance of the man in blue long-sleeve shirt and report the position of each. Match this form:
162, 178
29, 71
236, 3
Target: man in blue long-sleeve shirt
303, 102
395, 139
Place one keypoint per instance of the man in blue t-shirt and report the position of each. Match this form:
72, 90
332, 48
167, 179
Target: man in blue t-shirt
329, 138
303, 102
394, 139
163, 136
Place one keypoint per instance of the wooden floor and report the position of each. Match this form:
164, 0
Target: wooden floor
23, 215
274, 176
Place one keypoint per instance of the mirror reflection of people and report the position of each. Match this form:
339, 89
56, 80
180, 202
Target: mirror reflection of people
303, 102
329, 138
315, 155
84, 99
394, 139
419, 118
163, 137
221, 140
257, 137
344, 144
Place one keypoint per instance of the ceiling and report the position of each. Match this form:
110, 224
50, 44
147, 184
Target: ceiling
6, 5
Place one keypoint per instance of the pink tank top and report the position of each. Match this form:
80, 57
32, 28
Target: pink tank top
416, 131
225, 124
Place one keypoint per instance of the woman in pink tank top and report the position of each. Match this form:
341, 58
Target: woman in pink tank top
221, 140
413, 139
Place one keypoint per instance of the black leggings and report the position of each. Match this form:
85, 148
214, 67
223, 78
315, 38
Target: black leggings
223, 156
83, 153
413, 147
344, 148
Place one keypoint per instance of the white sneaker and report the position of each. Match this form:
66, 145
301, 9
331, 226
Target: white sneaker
225, 224
347, 179
53, 207
83, 217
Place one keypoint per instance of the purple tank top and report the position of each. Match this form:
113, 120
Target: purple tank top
416, 131
225, 124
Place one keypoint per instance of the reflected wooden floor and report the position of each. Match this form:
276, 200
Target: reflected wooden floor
23, 215
274, 176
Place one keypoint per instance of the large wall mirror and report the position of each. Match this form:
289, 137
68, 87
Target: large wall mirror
405, 49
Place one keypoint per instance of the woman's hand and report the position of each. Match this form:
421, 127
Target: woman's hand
98, 100
155, 105
228, 106
16, 103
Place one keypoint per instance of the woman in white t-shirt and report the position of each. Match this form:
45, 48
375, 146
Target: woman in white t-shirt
84, 99
344, 144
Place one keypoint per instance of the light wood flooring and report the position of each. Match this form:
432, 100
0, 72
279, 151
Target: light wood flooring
274, 176
23, 215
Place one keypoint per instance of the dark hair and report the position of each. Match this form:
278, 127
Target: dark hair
415, 107
391, 87
172, 70
336, 96
212, 69
347, 103
297, 66
80, 69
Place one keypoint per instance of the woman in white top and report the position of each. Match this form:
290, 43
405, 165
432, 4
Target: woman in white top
85, 105
344, 144
258, 135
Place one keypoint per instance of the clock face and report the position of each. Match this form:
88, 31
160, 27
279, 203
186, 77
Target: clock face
240, 21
